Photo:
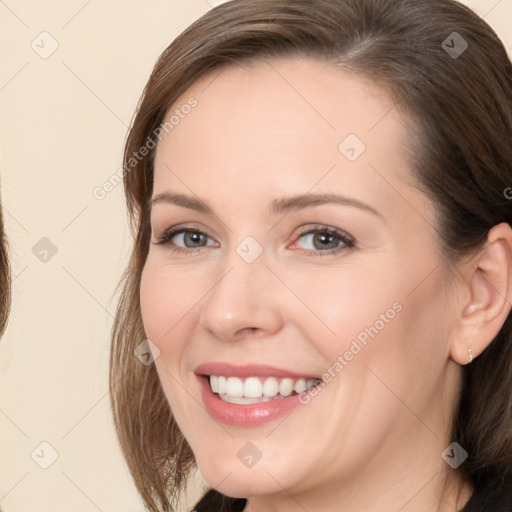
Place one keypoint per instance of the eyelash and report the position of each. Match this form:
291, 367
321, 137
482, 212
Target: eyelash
348, 241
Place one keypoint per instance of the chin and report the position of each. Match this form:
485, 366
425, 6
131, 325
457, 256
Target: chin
242, 482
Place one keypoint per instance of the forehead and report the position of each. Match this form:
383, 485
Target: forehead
282, 123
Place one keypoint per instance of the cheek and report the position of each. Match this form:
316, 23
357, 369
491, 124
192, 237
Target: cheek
153, 303
384, 316
405, 334
346, 304
167, 297
163, 302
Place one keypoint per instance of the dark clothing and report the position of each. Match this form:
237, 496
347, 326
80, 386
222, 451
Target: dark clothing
489, 499
214, 501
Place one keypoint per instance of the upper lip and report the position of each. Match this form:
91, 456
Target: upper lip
248, 370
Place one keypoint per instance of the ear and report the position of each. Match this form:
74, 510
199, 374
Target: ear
490, 299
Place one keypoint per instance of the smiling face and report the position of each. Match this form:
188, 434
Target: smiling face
302, 248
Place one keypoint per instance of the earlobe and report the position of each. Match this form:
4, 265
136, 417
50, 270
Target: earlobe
489, 285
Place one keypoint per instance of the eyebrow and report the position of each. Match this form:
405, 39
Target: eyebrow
277, 206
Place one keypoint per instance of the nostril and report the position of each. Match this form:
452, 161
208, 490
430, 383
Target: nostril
247, 330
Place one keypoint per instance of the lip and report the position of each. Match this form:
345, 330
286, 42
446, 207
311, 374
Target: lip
245, 415
248, 370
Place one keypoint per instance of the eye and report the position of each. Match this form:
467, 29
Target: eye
185, 239
323, 240
320, 240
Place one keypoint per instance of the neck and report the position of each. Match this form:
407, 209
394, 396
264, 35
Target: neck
453, 500
399, 478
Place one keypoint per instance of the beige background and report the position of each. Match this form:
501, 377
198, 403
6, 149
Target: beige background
63, 122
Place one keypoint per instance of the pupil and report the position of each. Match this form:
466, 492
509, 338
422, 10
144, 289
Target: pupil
326, 239
192, 237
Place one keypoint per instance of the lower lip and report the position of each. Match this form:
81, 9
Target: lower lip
245, 415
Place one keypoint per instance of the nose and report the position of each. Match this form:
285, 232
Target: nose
243, 302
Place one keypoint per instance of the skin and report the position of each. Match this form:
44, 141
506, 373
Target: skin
372, 438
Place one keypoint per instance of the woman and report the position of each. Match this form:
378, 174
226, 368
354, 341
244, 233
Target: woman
322, 262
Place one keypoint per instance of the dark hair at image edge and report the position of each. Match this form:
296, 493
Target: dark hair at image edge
5, 277
460, 154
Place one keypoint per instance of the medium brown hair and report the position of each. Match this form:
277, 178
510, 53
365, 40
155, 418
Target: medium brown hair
461, 156
5, 277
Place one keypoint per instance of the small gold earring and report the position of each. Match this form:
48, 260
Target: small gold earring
470, 355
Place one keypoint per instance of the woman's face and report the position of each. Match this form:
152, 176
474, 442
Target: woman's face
301, 252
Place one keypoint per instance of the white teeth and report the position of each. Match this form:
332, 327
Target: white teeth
253, 388
221, 385
286, 387
311, 382
270, 387
300, 386
235, 387
257, 389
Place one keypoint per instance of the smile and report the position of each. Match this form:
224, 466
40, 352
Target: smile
257, 389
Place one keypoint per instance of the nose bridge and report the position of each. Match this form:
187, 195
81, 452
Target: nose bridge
241, 297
